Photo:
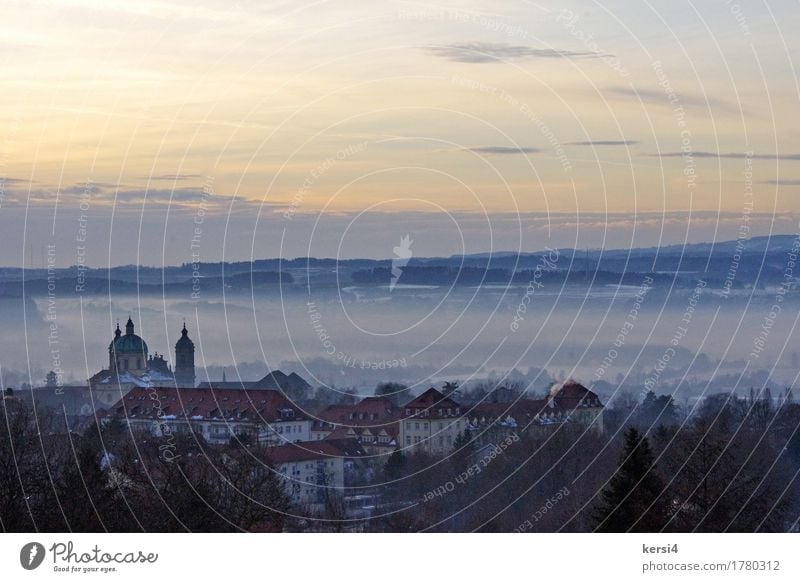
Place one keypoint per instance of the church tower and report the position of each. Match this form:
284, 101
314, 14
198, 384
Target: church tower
184, 361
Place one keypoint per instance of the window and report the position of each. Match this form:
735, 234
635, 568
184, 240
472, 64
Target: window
408, 440
416, 426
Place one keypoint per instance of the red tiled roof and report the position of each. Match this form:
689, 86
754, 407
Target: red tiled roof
206, 403
336, 413
372, 411
376, 404
571, 394
432, 400
314, 450
564, 399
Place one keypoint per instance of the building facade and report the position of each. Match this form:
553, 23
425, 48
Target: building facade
261, 417
372, 422
130, 365
431, 423
567, 403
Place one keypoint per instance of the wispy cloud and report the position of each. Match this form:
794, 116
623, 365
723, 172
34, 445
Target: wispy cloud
87, 188
177, 195
173, 177
728, 155
13, 181
503, 150
659, 97
782, 182
604, 142
484, 52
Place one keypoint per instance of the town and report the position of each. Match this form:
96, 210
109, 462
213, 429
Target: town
273, 456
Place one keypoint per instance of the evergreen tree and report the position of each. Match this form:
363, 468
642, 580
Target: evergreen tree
450, 389
632, 500
657, 410
393, 391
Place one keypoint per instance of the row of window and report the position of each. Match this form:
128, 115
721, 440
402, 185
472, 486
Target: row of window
441, 440
442, 426
440, 412
289, 428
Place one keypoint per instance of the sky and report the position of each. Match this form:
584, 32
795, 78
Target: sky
165, 132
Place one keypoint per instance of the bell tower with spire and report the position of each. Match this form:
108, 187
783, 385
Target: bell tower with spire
184, 360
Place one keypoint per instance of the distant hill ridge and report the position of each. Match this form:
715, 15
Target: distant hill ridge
759, 260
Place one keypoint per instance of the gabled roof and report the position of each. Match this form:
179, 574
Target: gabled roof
275, 380
278, 380
571, 394
431, 399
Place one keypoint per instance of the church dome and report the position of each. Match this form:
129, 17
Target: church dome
129, 343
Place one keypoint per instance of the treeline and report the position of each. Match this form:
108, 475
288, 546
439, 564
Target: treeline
66, 285
442, 275
731, 466
105, 481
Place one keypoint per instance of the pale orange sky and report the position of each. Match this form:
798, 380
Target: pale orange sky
296, 110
